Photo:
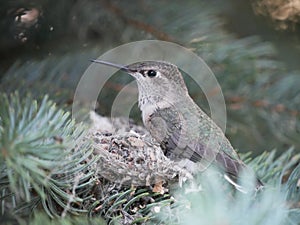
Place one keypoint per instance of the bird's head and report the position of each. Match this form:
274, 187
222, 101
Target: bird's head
156, 79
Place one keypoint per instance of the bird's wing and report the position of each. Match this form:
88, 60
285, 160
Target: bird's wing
166, 125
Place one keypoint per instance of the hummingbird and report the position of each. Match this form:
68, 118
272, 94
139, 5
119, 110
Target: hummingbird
177, 123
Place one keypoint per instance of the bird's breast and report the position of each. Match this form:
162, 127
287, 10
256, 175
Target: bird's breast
147, 111
149, 107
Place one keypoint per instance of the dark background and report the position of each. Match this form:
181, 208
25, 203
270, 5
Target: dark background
45, 46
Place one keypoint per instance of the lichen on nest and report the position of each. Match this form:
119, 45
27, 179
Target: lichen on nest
129, 155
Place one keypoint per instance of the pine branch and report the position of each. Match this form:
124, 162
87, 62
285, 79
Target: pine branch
41, 159
69, 187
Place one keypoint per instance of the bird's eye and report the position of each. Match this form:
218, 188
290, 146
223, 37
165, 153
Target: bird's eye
151, 73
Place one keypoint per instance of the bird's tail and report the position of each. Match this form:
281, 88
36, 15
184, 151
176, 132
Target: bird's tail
233, 180
235, 167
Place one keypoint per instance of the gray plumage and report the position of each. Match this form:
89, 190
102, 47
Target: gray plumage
177, 122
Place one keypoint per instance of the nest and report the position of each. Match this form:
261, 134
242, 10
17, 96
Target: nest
128, 155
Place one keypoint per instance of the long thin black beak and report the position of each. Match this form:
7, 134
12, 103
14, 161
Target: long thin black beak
121, 67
